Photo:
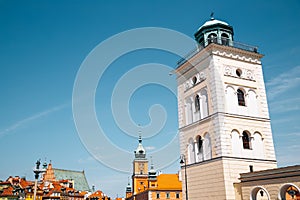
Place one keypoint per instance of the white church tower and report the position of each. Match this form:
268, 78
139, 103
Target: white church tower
223, 114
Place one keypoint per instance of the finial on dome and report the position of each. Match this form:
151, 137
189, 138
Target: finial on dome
140, 135
140, 151
212, 16
151, 162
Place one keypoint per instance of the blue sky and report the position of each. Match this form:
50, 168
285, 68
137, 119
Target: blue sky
43, 44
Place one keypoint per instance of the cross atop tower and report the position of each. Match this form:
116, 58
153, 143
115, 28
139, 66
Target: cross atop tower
212, 15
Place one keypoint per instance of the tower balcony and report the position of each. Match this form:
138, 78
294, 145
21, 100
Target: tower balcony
220, 41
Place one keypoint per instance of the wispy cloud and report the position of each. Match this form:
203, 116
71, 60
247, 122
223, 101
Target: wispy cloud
286, 105
294, 134
86, 160
284, 82
282, 120
149, 148
35, 116
286, 154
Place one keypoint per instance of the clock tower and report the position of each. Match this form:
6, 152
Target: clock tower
223, 115
140, 169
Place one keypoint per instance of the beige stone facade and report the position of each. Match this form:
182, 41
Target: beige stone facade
223, 114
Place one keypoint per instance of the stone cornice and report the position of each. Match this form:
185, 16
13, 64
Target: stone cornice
235, 53
201, 121
228, 158
219, 50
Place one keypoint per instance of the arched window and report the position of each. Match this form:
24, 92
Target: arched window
225, 39
241, 97
194, 80
289, 191
246, 140
199, 149
259, 193
197, 103
212, 38
292, 192
199, 143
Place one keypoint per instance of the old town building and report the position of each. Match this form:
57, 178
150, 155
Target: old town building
147, 184
98, 195
55, 184
225, 133
76, 179
21, 189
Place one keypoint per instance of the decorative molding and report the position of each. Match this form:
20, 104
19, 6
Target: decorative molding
199, 77
246, 74
234, 55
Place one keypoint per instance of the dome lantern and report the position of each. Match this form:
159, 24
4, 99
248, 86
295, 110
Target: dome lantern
140, 152
214, 31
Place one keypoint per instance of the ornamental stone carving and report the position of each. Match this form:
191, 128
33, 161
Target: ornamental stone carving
242, 73
198, 78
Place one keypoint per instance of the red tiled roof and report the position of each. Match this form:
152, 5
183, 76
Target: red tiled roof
24, 183
168, 182
98, 193
7, 191
5, 183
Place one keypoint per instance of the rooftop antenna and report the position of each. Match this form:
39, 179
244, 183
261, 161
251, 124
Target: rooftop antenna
212, 16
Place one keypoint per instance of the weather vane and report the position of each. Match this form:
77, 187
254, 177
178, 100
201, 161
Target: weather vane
212, 15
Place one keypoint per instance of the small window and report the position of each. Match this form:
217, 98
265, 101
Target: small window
241, 97
261, 193
212, 38
197, 103
238, 72
225, 39
194, 80
168, 195
251, 168
177, 195
246, 140
157, 195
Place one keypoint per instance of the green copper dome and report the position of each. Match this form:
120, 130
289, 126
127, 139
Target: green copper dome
214, 31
